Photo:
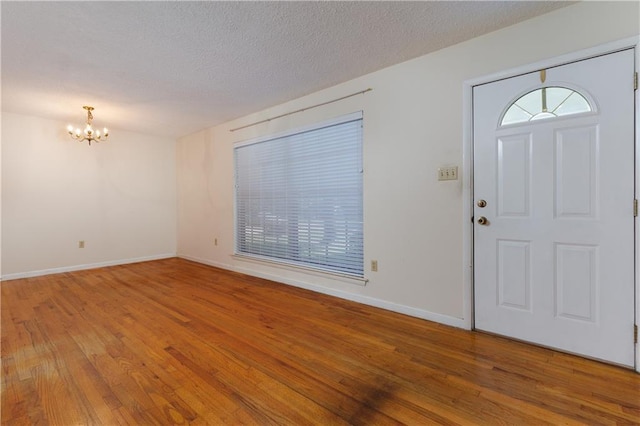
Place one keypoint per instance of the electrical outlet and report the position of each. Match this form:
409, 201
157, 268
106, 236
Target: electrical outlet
374, 265
81, 244
448, 173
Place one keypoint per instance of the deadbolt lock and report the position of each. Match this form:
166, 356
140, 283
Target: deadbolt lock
483, 220
481, 203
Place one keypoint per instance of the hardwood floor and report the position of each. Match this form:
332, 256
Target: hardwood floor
175, 342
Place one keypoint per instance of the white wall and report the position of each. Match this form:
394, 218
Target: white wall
118, 196
413, 124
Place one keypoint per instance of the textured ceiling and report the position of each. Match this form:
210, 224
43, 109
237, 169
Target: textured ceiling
174, 68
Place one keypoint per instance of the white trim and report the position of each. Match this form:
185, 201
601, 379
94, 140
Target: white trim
627, 43
196, 259
467, 155
365, 300
467, 206
73, 268
361, 281
637, 195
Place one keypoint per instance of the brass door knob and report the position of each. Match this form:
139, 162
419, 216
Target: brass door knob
481, 203
483, 220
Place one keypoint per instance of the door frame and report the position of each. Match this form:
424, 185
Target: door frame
467, 164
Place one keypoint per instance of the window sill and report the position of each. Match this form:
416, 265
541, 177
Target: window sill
297, 268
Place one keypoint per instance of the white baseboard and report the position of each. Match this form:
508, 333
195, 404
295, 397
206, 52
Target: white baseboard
366, 300
226, 266
41, 272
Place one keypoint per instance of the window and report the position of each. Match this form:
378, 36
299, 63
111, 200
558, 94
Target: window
548, 102
299, 197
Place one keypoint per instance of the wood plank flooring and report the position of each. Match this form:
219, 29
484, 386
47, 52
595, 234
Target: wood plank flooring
175, 342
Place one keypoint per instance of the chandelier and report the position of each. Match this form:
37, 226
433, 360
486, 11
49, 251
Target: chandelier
88, 134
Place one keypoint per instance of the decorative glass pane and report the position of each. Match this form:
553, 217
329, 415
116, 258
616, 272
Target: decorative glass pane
573, 105
548, 102
515, 115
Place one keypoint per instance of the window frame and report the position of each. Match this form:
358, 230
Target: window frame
580, 91
293, 264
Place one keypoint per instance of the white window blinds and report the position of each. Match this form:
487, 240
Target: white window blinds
299, 197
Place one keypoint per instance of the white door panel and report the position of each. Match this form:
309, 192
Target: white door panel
554, 263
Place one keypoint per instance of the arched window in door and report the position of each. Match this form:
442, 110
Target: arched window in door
545, 103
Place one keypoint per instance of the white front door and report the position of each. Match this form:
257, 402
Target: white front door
553, 207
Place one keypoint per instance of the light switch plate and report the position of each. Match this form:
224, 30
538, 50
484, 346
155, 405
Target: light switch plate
448, 173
